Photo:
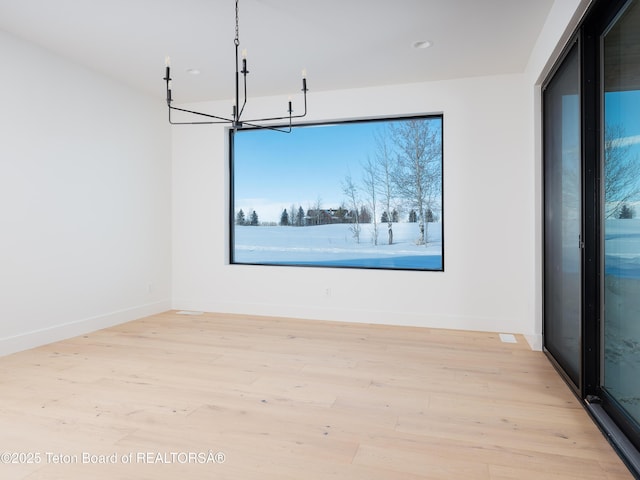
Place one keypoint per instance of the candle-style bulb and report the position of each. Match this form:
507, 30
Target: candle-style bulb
167, 68
304, 73
244, 70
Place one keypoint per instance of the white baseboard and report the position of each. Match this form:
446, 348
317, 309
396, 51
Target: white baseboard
357, 316
36, 338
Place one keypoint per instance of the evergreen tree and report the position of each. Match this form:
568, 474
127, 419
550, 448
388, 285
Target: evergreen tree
284, 218
253, 218
626, 212
430, 216
395, 216
300, 217
413, 216
384, 218
240, 219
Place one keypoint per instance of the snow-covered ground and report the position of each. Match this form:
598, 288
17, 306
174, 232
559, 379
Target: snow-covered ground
622, 247
335, 245
622, 312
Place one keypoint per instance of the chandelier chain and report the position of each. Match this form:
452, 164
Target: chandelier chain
237, 39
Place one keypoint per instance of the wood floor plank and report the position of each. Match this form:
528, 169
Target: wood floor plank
289, 399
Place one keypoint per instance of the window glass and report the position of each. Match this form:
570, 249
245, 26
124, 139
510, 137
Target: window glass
363, 194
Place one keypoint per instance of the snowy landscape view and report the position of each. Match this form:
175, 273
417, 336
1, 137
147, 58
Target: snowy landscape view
621, 232
622, 311
333, 245
364, 194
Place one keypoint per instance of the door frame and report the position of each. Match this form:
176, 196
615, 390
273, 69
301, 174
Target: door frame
620, 430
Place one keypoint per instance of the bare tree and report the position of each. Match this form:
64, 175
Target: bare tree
418, 171
384, 180
317, 210
621, 171
293, 214
370, 188
351, 192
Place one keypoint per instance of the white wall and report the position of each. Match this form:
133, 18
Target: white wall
85, 200
492, 164
488, 201
86, 179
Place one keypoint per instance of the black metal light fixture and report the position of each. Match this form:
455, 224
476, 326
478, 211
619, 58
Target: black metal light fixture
236, 120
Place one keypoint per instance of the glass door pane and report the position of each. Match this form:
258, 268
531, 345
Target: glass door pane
620, 212
562, 217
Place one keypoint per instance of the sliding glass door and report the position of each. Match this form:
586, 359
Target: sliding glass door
562, 216
620, 211
591, 115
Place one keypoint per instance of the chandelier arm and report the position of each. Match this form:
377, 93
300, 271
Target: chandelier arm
285, 117
244, 103
194, 123
274, 118
267, 119
304, 94
305, 108
222, 119
267, 127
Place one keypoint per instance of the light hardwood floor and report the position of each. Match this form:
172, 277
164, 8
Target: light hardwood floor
292, 399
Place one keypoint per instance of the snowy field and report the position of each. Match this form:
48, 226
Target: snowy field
622, 312
334, 245
622, 247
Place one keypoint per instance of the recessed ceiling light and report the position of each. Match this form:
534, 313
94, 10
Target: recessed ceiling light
422, 44
193, 71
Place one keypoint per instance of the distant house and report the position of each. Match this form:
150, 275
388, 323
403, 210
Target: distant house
328, 216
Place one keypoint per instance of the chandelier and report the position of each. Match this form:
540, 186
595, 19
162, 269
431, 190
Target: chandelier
235, 120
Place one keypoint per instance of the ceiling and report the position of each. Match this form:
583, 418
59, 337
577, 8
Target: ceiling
341, 43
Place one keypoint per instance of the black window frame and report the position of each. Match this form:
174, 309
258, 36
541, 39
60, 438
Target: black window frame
380, 120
